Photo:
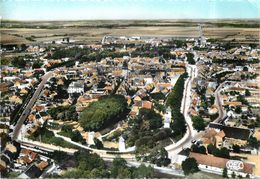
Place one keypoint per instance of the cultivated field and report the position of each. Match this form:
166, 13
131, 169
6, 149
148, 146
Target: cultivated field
93, 31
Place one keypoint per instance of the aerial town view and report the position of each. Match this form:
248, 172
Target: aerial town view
130, 89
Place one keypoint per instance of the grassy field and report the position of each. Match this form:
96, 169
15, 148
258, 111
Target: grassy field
88, 32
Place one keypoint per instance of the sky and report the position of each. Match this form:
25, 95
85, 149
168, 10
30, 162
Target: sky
128, 9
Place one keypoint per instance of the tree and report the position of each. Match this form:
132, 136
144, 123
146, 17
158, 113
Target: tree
253, 142
212, 100
5, 61
236, 148
123, 173
189, 166
242, 99
98, 143
37, 64
233, 175
198, 123
117, 164
149, 115
223, 152
238, 110
58, 156
87, 166
89, 161
225, 173
19, 62
210, 148
190, 58
77, 137
198, 149
4, 139
159, 156
144, 172
245, 68
247, 92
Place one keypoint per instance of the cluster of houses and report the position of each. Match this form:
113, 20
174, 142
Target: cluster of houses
15, 88
24, 161
238, 89
85, 83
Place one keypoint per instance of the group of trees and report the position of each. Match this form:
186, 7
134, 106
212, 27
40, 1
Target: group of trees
212, 149
103, 113
223, 152
85, 54
145, 133
64, 113
46, 136
68, 52
74, 135
198, 149
190, 166
157, 96
190, 58
37, 64
237, 62
177, 43
155, 99
198, 123
242, 99
18, 62
87, 166
119, 169
98, 55
144, 129
174, 101
5, 60
92, 166
158, 155
150, 51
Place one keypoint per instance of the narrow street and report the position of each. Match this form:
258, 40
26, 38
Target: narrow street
29, 106
218, 103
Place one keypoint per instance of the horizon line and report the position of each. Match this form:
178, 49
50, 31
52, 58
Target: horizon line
39, 20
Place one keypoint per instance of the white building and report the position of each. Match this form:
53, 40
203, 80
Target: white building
212, 164
76, 88
167, 118
91, 136
121, 145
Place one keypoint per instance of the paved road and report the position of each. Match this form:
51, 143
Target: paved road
30, 104
191, 134
36, 145
222, 112
218, 103
100, 152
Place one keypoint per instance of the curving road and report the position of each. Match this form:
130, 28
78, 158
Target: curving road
30, 104
191, 134
218, 103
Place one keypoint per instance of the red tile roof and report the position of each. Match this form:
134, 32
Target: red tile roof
147, 104
218, 162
